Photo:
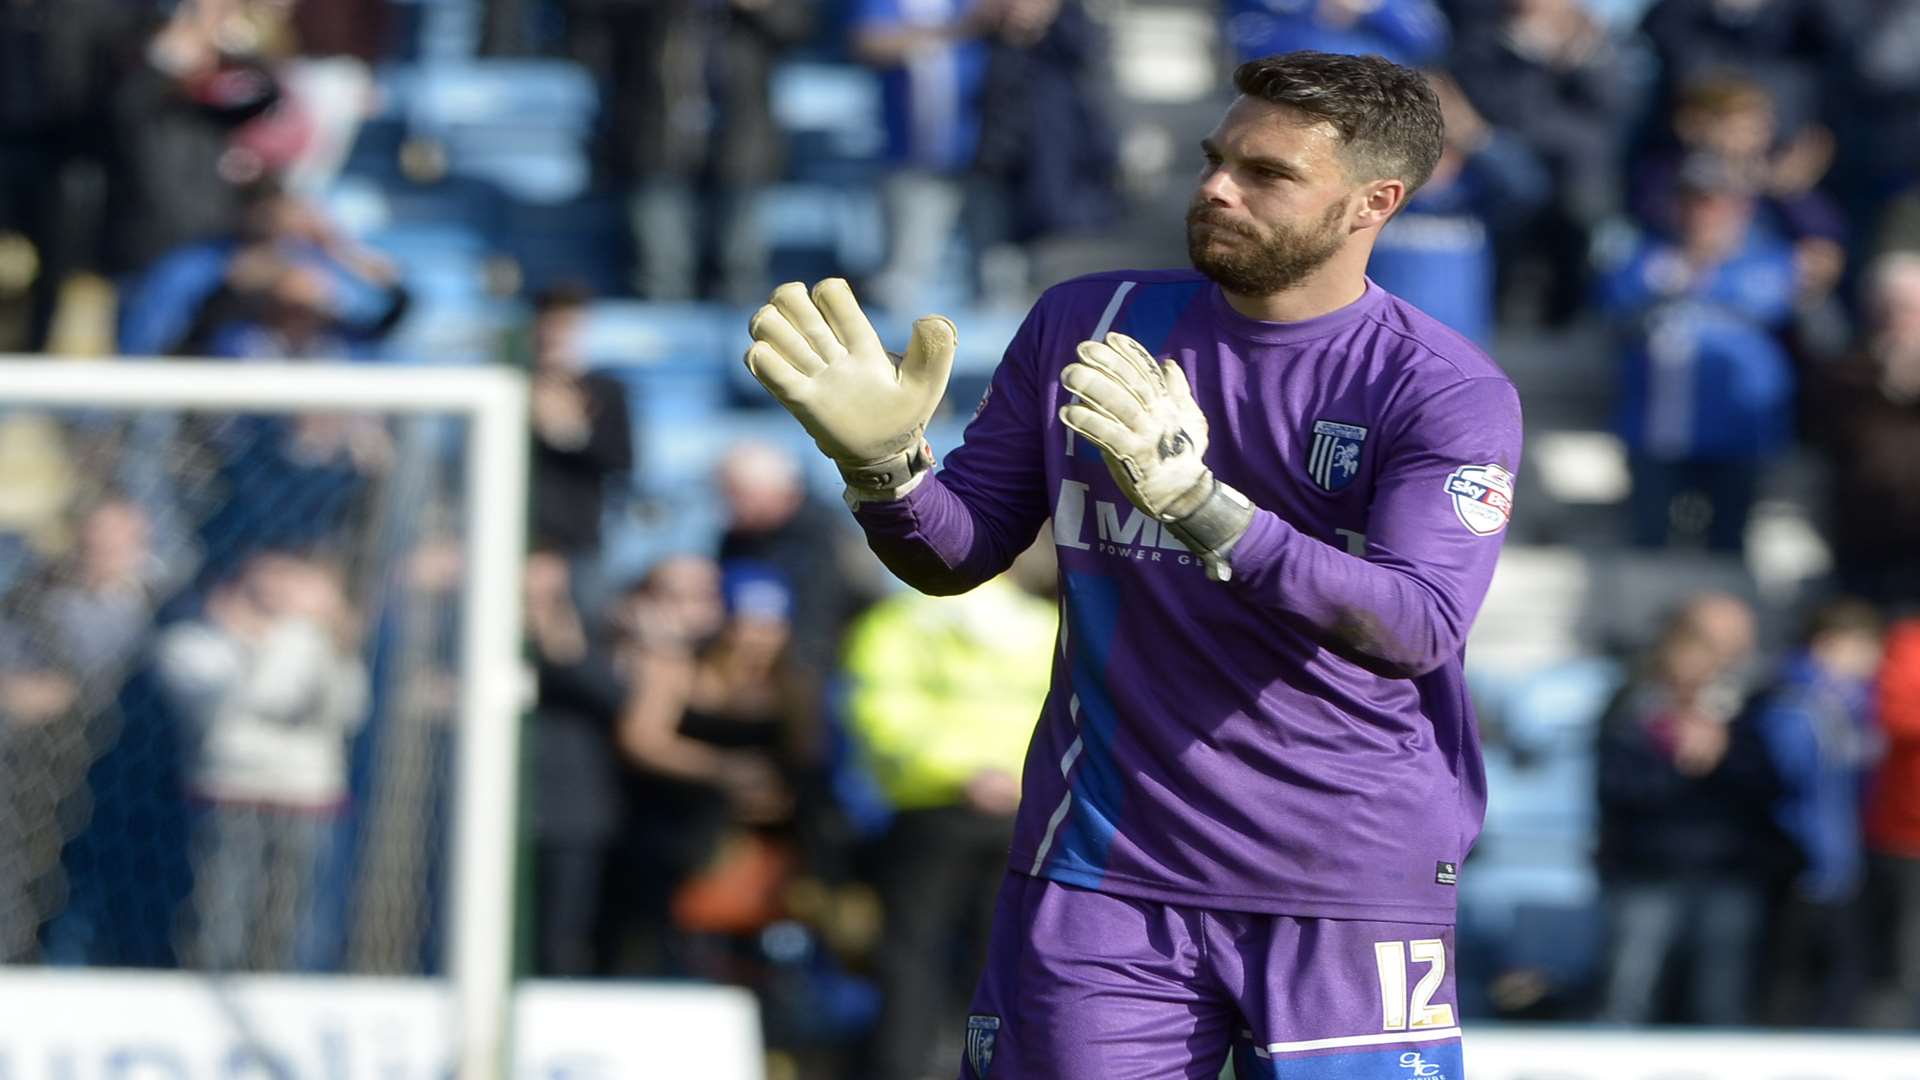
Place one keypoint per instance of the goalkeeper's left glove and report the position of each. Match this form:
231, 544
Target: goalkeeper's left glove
1141, 414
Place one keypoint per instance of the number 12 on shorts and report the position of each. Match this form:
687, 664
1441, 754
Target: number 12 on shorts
1398, 1011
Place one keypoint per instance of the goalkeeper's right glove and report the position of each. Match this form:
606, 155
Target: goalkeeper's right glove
866, 409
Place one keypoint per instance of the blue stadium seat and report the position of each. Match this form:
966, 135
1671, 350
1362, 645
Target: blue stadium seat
584, 240
450, 332
376, 149
622, 333
440, 97
814, 230
366, 204
532, 164
521, 124
832, 117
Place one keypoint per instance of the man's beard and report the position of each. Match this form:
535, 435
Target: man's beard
1277, 259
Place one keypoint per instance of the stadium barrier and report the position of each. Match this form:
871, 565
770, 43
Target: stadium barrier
1570, 1052
123, 1025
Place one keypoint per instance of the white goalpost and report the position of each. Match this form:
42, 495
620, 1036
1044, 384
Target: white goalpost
490, 406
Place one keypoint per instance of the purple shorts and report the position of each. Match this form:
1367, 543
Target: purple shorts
1087, 984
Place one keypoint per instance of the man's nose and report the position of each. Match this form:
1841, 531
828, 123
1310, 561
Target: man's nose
1217, 188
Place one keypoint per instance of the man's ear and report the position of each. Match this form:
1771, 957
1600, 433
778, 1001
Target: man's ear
1379, 201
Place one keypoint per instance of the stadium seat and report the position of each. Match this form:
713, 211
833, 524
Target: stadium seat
641, 333
439, 97
831, 116
815, 230
450, 330
521, 124
363, 205
583, 240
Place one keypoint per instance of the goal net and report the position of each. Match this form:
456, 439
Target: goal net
259, 675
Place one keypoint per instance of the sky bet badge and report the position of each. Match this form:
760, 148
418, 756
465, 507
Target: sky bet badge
1335, 458
1482, 497
981, 1033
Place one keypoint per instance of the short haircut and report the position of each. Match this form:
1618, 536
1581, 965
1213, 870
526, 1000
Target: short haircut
1842, 615
1387, 116
561, 296
1722, 93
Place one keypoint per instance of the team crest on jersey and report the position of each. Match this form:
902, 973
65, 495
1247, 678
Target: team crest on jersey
1482, 497
982, 1033
1334, 460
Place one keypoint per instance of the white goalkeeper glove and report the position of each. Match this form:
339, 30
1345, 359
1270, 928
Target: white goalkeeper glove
865, 408
1141, 414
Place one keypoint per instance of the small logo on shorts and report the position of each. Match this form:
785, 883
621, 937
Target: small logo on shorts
1446, 873
982, 1032
1420, 1066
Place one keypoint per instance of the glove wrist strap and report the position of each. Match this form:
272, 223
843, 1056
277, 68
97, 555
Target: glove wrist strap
890, 478
1211, 530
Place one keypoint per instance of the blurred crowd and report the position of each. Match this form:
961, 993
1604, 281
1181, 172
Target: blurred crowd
752, 760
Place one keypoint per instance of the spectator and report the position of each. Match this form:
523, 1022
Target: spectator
331, 79
712, 733
72, 635
1412, 32
576, 774
582, 437
268, 682
1048, 155
292, 311
1706, 387
1682, 789
52, 90
295, 482
1730, 120
1437, 254
1893, 826
771, 520
1817, 725
174, 111
1548, 72
1878, 120
1866, 415
100, 602
1788, 45
932, 58
689, 130
944, 693
43, 755
177, 304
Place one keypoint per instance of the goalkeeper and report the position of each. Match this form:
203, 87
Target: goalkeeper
1277, 494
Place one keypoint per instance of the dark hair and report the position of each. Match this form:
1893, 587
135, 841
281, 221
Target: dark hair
1842, 615
561, 296
1718, 93
1387, 115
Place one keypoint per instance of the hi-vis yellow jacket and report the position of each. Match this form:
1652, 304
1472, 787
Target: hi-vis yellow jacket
945, 686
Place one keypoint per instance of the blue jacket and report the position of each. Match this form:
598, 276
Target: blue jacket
1405, 31
1437, 254
1818, 730
1704, 373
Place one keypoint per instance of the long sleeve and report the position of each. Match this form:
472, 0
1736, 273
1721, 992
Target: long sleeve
1439, 509
965, 524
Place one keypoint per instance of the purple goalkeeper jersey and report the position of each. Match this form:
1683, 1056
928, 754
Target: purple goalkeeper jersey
1297, 740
